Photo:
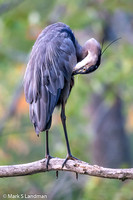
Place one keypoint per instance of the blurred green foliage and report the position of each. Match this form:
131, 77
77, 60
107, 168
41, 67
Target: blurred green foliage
19, 27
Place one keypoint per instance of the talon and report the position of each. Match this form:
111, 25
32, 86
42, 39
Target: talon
69, 157
64, 162
48, 157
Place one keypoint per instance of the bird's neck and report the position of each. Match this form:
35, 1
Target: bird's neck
80, 52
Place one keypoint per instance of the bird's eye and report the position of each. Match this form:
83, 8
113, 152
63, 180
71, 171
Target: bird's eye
84, 68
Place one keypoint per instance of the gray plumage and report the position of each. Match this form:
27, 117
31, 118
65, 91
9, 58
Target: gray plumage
55, 58
49, 70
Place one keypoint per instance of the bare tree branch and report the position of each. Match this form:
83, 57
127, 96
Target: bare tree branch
55, 164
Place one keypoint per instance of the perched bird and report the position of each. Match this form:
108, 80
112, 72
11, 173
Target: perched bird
49, 77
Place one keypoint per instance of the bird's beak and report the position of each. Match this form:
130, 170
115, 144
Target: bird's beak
84, 64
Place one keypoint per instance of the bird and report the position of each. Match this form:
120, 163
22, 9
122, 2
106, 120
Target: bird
56, 57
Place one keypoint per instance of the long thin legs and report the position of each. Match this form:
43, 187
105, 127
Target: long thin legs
69, 155
47, 146
63, 119
47, 155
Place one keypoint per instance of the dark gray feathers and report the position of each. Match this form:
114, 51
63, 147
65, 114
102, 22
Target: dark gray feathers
51, 62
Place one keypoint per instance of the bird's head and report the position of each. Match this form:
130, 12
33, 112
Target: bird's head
91, 60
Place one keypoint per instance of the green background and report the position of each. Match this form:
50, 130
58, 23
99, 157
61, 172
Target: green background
20, 24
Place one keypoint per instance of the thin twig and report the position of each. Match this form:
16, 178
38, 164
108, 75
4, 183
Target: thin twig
55, 164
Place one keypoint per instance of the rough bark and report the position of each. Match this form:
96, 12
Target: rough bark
55, 164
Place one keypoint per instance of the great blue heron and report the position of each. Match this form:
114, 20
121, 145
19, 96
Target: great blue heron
54, 60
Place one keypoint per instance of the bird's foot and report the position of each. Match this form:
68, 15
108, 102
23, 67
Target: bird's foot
48, 157
69, 157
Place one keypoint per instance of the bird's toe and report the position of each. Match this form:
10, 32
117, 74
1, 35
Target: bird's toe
69, 157
48, 157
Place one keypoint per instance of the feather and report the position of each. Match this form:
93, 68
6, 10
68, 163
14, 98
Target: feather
52, 59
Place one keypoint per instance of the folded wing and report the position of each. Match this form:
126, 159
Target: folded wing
50, 63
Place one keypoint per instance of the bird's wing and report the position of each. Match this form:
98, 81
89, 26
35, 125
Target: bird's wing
50, 63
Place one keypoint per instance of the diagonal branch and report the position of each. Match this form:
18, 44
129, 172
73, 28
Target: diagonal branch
55, 164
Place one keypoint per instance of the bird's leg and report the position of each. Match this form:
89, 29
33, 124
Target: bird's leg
47, 155
63, 119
